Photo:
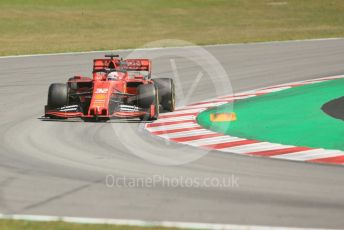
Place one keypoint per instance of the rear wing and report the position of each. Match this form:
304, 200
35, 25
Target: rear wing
122, 65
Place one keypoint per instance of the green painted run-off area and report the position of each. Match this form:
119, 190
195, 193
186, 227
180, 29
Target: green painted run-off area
290, 117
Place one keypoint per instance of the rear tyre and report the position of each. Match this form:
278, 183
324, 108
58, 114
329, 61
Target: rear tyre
57, 95
148, 97
166, 90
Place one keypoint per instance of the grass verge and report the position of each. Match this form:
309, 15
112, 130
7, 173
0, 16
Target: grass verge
45, 26
31, 225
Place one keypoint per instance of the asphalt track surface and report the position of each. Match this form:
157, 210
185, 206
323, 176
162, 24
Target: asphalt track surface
59, 168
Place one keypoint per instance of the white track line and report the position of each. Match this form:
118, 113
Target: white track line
176, 47
142, 223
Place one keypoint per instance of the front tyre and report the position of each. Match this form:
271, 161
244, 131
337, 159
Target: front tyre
57, 95
167, 95
148, 99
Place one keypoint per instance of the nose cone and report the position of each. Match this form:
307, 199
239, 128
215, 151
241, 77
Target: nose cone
100, 99
98, 111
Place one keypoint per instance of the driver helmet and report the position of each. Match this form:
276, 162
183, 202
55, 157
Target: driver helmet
112, 76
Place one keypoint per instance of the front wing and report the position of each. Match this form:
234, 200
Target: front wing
75, 111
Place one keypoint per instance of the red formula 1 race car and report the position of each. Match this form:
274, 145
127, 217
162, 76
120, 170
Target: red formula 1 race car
119, 89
